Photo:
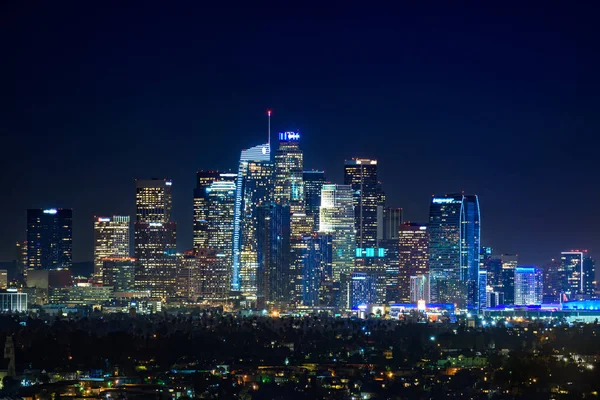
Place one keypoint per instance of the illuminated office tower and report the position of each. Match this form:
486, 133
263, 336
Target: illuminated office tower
553, 282
214, 274
155, 238
529, 285
454, 248
577, 272
219, 218
253, 188
49, 238
337, 218
482, 292
419, 288
203, 181
289, 163
387, 237
589, 276
119, 272
111, 239
313, 182
301, 226
413, 256
506, 286
154, 248
361, 175
363, 289
153, 200
273, 244
316, 270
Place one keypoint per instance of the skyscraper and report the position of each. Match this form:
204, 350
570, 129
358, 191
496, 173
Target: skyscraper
153, 200
111, 239
316, 271
301, 226
529, 285
273, 244
49, 238
119, 272
589, 276
577, 272
454, 247
204, 179
509, 264
155, 238
220, 207
254, 186
361, 176
337, 218
419, 288
289, 163
214, 274
313, 182
413, 256
21, 256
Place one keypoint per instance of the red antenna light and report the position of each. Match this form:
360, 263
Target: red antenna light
269, 113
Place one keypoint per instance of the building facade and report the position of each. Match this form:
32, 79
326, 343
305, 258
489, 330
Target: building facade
361, 176
289, 164
454, 249
111, 239
529, 285
313, 182
49, 238
413, 256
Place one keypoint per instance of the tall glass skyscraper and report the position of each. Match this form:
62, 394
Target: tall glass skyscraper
49, 238
273, 245
454, 247
361, 176
111, 239
153, 200
337, 218
220, 205
577, 273
289, 163
203, 181
313, 182
254, 186
316, 271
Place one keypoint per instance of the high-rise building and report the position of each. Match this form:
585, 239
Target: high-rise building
214, 274
316, 272
337, 218
553, 282
482, 289
289, 163
219, 217
529, 285
419, 288
313, 182
363, 289
154, 249
274, 280
389, 227
506, 280
3, 279
153, 200
119, 272
254, 187
454, 248
577, 272
301, 227
413, 256
361, 176
49, 238
204, 179
111, 239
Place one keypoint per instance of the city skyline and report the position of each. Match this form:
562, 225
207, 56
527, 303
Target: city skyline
398, 88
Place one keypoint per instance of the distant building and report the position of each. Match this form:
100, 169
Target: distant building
49, 238
111, 239
119, 272
509, 263
81, 295
11, 301
388, 239
154, 245
337, 219
361, 176
419, 288
577, 272
21, 256
413, 256
214, 274
313, 182
363, 289
3, 279
316, 272
529, 285
254, 187
454, 248
153, 200
273, 244
289, 164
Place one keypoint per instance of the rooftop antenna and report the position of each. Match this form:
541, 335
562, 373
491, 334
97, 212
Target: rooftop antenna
269, 114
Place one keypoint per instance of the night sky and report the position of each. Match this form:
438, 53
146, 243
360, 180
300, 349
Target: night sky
501, 102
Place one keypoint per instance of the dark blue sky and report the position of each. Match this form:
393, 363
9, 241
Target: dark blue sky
501, 102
